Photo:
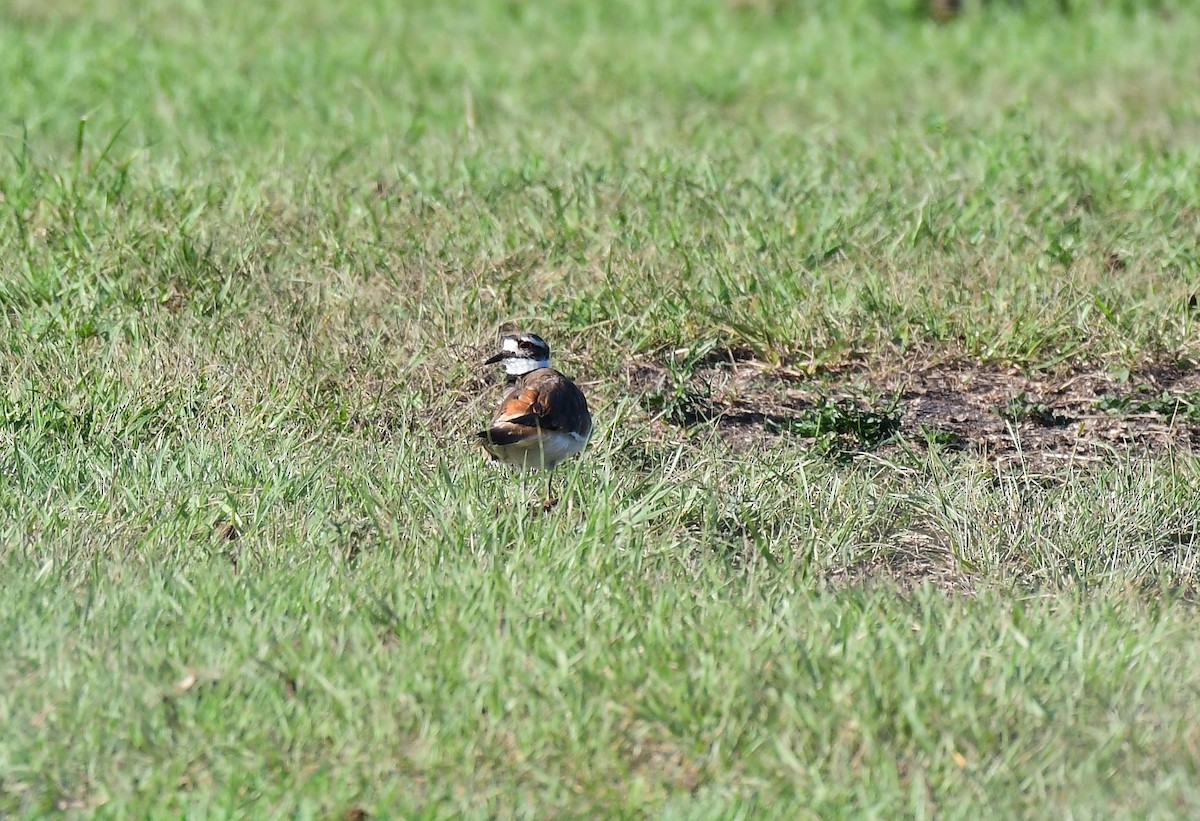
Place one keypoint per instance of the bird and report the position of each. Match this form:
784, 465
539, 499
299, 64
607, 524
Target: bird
543, 418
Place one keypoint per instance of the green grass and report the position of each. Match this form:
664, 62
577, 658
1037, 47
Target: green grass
251, 256
1185, 406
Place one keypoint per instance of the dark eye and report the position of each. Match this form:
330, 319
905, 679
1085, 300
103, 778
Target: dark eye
525, 346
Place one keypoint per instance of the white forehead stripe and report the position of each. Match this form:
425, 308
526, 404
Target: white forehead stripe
509, 344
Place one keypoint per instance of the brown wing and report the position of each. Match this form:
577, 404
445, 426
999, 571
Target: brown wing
541, 400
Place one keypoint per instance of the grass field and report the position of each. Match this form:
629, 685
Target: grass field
889, 327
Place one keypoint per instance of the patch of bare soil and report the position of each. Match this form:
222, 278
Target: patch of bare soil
1042, 422
1077, 418
916, 558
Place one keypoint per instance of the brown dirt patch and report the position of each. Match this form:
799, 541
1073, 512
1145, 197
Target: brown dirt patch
916, 558
1079, 417
1041, 422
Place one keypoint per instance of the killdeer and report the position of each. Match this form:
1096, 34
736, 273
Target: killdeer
543, 418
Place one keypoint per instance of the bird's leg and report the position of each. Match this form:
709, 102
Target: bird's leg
550, 500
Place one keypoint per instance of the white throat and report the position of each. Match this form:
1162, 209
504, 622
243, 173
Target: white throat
520, 365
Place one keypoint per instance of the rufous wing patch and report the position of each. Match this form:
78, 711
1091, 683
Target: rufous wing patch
543, 402
525, 408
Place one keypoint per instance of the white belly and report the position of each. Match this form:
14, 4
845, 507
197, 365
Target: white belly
543, 452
